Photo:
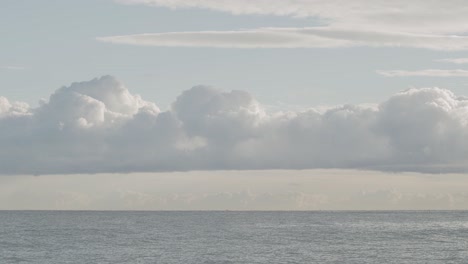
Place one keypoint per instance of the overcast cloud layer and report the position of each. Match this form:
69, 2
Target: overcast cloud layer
99, 126
438, 24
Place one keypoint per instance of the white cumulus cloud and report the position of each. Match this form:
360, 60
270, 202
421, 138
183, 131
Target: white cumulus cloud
99, 126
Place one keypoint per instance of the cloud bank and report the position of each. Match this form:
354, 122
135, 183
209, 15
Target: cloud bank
99, 126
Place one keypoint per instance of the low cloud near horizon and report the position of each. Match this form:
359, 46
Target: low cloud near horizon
99, 126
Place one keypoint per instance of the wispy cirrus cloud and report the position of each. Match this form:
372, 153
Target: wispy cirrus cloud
437, 25
424, 73
312, 37
455, 60
13, 67
257, 38
416, 16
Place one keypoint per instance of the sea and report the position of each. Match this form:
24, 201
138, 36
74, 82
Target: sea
233, 237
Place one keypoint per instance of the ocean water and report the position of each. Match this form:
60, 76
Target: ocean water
233, 237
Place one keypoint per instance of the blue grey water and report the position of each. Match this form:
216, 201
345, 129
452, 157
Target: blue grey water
233, 237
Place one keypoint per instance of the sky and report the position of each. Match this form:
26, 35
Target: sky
239, 105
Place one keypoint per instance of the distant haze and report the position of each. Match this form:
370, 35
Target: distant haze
237, 190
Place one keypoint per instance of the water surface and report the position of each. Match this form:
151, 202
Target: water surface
233, 237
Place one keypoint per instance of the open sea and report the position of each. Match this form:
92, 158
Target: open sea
233, 237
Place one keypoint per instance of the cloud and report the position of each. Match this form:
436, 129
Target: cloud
311, 37
13, 68
455, 60
99, 126
12, 109
437, 25
439, 16
425, 73
259, 38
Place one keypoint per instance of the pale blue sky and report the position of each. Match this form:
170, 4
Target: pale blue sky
55, 42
